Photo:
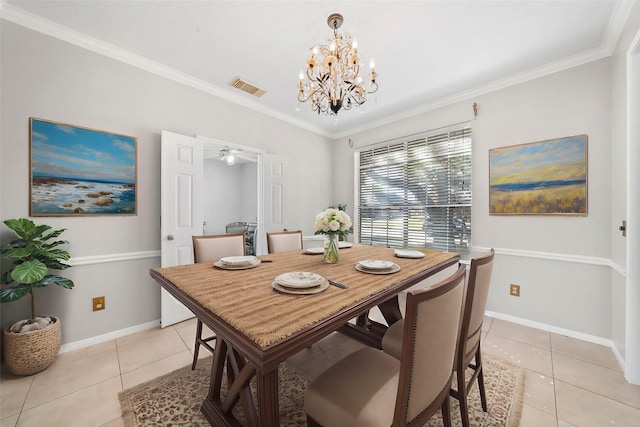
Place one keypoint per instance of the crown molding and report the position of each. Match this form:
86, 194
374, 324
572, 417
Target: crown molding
44, 26
612, 34
496, 85
39, 24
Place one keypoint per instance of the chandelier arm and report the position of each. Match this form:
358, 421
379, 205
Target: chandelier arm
333, 78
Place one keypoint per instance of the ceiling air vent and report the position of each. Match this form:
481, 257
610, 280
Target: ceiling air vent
247, 87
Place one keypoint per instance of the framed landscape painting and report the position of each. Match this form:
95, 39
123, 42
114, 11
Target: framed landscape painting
539, 178
81, 171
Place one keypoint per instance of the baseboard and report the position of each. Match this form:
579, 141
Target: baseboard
550, 328
76, 345
561, 331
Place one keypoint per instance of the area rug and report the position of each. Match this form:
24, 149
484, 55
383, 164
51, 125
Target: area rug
175, 399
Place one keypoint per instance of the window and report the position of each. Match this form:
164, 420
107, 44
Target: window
415, 192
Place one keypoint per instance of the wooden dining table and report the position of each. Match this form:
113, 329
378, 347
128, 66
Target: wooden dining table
259, 327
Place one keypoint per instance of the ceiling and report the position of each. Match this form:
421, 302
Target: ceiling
427, 53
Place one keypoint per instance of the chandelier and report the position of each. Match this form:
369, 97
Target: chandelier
332, 81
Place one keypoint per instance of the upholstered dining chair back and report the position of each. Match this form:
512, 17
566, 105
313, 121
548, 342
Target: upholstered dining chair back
207, 249
213, 247
282, 241
428, 352
469, 348
372, 388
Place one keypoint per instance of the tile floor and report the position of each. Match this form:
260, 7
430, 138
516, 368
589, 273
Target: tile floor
568, 382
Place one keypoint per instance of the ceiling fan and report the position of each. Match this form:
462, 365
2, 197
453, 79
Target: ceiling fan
228, 155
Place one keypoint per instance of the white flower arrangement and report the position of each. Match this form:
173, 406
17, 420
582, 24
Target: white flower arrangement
333, 222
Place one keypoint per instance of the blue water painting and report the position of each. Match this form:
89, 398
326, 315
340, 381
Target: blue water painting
79, 171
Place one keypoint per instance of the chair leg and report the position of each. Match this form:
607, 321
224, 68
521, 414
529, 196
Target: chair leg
462, 397
483, 396
312, 422
446, 412
196, 348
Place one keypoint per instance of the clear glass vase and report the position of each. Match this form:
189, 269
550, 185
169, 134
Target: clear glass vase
331, 254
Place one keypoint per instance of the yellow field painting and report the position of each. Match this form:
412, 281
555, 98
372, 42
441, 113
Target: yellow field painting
540, 178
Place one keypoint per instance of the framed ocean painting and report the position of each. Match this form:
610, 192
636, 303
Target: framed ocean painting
80, 171
539, 178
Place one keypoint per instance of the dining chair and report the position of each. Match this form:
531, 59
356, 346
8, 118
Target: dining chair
281, 241
208, 249
468, 352
372, 388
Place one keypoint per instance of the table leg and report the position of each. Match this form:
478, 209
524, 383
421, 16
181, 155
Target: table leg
371, 332
218, 411
267, 388
391, 310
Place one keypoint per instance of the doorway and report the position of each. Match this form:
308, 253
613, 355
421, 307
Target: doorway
192, 172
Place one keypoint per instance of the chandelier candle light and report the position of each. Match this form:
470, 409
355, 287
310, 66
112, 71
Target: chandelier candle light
333, 223
333, 81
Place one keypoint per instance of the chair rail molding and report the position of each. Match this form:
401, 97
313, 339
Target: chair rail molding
581, 259
125, 256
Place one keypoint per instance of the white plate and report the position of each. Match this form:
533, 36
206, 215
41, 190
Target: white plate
303, 291
394, 269
300, 279
238, 260
376, 264
405, 253
314, 251
244, 266
344, 245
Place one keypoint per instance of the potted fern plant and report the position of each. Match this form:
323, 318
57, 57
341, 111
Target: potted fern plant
30, 345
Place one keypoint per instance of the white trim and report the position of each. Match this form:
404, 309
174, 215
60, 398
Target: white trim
617, 268
550, 328
101, 259
44, 26
130, 256
619, 17
515, 79
37, 23
581, 259
561, 331
108, 336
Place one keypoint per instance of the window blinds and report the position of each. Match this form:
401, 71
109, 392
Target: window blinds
416, 192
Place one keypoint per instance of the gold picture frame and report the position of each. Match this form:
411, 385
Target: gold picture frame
540, 178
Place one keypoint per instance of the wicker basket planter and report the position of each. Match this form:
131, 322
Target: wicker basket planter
31, 352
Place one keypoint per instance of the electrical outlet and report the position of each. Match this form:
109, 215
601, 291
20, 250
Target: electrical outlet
514, 290
98, 303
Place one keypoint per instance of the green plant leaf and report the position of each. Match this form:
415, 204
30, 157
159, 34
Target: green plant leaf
38, 231
54, 244
54, 280
54, 234
22, 226
5, 278
29, 272
57, 254
21, 252
54, 264
13, 293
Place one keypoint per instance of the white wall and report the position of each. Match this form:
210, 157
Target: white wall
561, 263
230, 194
51, 79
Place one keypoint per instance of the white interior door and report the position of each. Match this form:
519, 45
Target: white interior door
181, 211
275, 171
